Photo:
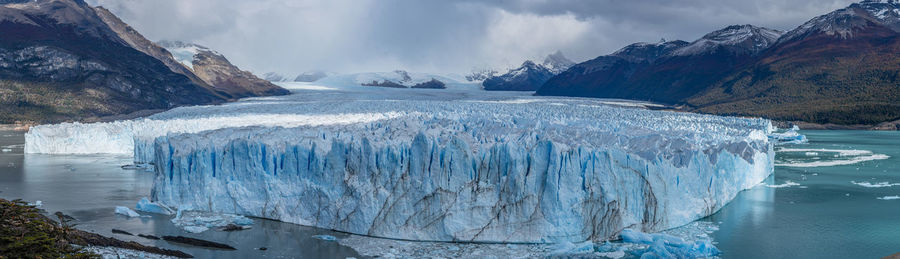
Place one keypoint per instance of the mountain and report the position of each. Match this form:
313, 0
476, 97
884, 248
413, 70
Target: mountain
311, 76
400, 79
216, 70
274, 77
529, 76
60, 61
838, 68
557, 62
666, 71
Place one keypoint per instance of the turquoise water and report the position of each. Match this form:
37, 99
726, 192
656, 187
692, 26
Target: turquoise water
826, 215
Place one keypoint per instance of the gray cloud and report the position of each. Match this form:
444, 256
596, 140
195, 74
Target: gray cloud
290, 36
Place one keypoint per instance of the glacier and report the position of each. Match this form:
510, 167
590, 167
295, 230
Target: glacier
438, 165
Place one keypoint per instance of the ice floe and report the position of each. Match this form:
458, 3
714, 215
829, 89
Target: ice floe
826, 157
875, 185
146, 205
125, 211
200, 221
787, 183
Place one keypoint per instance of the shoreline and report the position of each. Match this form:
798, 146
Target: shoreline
884, 126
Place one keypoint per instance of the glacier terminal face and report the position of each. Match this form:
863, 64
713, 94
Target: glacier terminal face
444, 166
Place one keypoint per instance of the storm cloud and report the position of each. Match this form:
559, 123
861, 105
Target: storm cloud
291, 36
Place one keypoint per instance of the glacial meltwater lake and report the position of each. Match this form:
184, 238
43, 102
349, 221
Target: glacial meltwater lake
836, 197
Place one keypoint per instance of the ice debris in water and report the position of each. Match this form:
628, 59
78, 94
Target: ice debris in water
668, 246
37, 204
200, 221
139, 167
787, 183
887, 198
326, 237
146, 205
790, 136
125, 211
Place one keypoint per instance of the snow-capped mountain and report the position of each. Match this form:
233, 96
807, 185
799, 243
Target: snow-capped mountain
217, 71
479, 75
643, 51
836, 68
741, 39
394, 79
557, 62
529, 76
274, 77
843, 22
78, 62
311, 76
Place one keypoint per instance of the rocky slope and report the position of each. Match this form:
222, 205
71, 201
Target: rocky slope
214, 69
839, 68
60, 61
530, 76
63, 60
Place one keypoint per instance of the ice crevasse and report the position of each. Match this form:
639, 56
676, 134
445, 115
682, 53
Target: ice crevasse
547, 170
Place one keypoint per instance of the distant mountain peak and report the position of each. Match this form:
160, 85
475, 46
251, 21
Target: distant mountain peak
557, 62
643, 51
842, 23
736, 38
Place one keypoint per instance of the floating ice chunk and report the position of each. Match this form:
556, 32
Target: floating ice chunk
668, 246
200, 221
790, 136
892, 197
875, 185
139, 167
6, 150
125, 211
146, 205
787, 183
37, 203
325, 237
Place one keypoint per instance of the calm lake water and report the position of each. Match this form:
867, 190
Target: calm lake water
831, 198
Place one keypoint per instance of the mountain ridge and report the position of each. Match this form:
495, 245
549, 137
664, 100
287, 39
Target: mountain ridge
837, 68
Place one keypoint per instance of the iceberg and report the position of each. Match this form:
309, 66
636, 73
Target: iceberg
200, 221
125, 211
146, 205
668, 246
790, 136
450, 166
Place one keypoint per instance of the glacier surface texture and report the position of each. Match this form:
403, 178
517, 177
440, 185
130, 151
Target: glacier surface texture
446, 165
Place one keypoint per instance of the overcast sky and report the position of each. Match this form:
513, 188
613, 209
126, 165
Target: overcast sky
293, 36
